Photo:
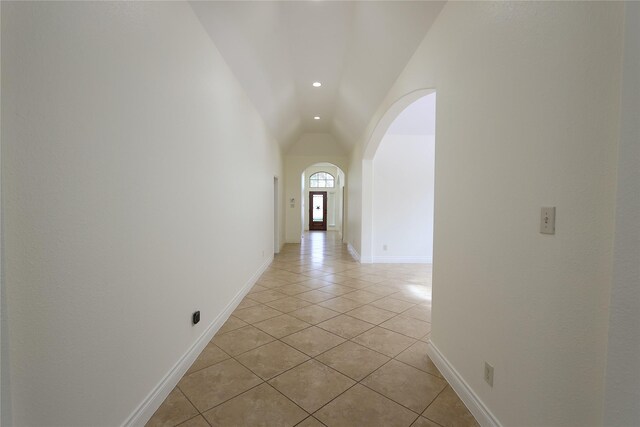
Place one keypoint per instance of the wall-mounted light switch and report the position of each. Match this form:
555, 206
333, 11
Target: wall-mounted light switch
488, 374
548, 220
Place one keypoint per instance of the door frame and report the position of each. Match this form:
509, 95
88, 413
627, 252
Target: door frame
314, 226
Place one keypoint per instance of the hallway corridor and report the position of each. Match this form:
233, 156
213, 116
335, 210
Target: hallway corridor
321, 340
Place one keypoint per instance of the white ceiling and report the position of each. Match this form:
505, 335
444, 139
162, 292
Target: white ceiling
278, 49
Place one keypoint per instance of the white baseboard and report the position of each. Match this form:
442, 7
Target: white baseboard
403, 259
353, 252
152, 402
479, 410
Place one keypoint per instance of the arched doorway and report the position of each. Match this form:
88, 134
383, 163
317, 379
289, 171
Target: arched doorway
322, 198
411, 117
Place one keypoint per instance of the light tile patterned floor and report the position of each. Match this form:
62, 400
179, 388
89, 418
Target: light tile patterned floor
321, 340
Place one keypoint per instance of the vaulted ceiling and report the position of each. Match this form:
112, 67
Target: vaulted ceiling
355, 49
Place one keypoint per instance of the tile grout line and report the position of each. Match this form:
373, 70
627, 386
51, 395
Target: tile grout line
267, 382
192, 418
442, 391
311, 416
189, 400
232, 397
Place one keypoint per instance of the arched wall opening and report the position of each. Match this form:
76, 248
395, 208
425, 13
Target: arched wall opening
295, 165
322, 198
398, 183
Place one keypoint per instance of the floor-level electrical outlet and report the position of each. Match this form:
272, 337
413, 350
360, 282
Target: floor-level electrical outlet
384, 247
488, 374
195, 318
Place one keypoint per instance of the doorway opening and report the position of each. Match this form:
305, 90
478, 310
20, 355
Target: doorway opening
403, 187
318, 210
398, 183
322, 207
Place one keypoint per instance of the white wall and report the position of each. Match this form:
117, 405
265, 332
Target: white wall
5, 403
623, 355
353, 220
528, 103
120, 123
310, 149
403, 199
279, 224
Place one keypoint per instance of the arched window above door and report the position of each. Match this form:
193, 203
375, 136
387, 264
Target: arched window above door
321, 180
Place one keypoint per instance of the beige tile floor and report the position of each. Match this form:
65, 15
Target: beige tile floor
321, 340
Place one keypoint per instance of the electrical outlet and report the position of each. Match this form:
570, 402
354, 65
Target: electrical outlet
196, 317
384, 247
548, 220
488, 374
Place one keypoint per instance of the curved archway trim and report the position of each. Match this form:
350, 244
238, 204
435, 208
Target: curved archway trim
388, 117
366, 233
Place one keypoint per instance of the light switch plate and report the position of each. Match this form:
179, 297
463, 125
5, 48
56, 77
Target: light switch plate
488, 374
548, 220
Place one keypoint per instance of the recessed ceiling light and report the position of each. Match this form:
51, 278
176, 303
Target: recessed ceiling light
317, 84
316, 118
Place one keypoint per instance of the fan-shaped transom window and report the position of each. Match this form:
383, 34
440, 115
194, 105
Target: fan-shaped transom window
321, 180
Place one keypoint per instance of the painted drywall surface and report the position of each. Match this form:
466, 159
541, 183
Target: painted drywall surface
121, 120
334, 197
316, 144
280, 209
403, 199
5, 402
622, 392
419, 118
309, 150
528, 103
353, 220
276, 154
